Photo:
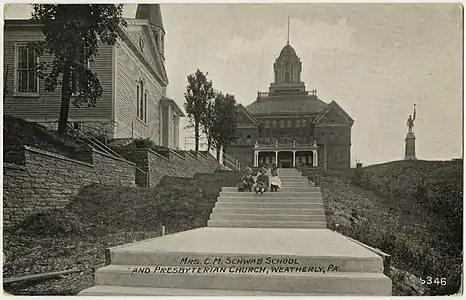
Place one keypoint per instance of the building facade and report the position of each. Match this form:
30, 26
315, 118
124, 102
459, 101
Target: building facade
132, 73
290, 126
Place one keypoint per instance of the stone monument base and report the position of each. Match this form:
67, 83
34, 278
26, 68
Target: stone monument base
410, 146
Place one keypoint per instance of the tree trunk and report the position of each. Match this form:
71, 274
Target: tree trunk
196, 135
65, 101
209, 142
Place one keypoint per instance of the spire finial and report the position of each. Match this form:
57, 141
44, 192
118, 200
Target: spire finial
288, 38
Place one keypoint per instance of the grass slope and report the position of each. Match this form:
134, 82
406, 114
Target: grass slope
101, 217
17, 131
411, 210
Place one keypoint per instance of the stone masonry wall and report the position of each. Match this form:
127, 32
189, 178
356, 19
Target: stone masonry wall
36, 180
168, 163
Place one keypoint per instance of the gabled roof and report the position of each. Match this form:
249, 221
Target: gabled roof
158, 58
338, 108
286, 105
247, 113
174, 104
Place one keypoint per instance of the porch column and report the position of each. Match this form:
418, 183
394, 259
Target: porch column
256, 158
276, 158
314, 160
294, 158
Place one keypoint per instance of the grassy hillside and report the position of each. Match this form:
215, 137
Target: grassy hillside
409, 209
17, 131
101, 217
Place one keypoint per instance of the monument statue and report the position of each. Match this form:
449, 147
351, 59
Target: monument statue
410, 141
410, 122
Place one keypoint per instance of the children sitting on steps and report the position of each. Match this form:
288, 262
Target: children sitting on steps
262, 184
247, 181
275, 182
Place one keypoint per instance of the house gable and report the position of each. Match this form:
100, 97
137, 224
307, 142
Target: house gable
244, 118
138, 29
334, 114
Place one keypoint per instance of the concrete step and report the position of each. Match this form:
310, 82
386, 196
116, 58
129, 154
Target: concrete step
299, 180
266, 224
340, 283
268, 211
219, 259
265, 217
278, 194
250, 204
265, 198
113, 290
282, 190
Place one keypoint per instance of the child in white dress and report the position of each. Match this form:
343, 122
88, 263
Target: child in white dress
275, 182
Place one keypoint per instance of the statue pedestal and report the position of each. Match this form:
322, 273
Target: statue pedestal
410, 147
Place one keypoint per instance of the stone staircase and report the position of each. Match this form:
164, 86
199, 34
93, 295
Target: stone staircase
296, 205
255, 245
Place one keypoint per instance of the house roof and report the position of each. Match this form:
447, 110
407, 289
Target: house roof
248, 113
173, 103
335, 105
286, 105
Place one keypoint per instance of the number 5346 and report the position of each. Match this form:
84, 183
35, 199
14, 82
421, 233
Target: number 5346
431, 280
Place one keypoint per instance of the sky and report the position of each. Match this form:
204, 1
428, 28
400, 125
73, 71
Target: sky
374, 60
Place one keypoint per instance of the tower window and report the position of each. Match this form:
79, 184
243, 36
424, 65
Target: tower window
287, 77
157, 39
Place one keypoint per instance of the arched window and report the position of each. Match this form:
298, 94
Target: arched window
157, 39
141, 101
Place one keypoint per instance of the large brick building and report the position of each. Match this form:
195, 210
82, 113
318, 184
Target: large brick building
292, 127
132, 73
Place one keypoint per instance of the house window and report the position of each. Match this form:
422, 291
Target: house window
27, 79
282, 123
75, 79
267, 123
141, 101
289, 123
145, 107
274, 123
304, 122
298, 123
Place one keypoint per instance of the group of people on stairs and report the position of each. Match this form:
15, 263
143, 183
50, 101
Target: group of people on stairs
265, 179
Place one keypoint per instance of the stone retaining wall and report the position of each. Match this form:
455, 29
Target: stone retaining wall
35, 180
177, 163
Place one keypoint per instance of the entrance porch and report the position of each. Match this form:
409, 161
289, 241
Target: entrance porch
286, 156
